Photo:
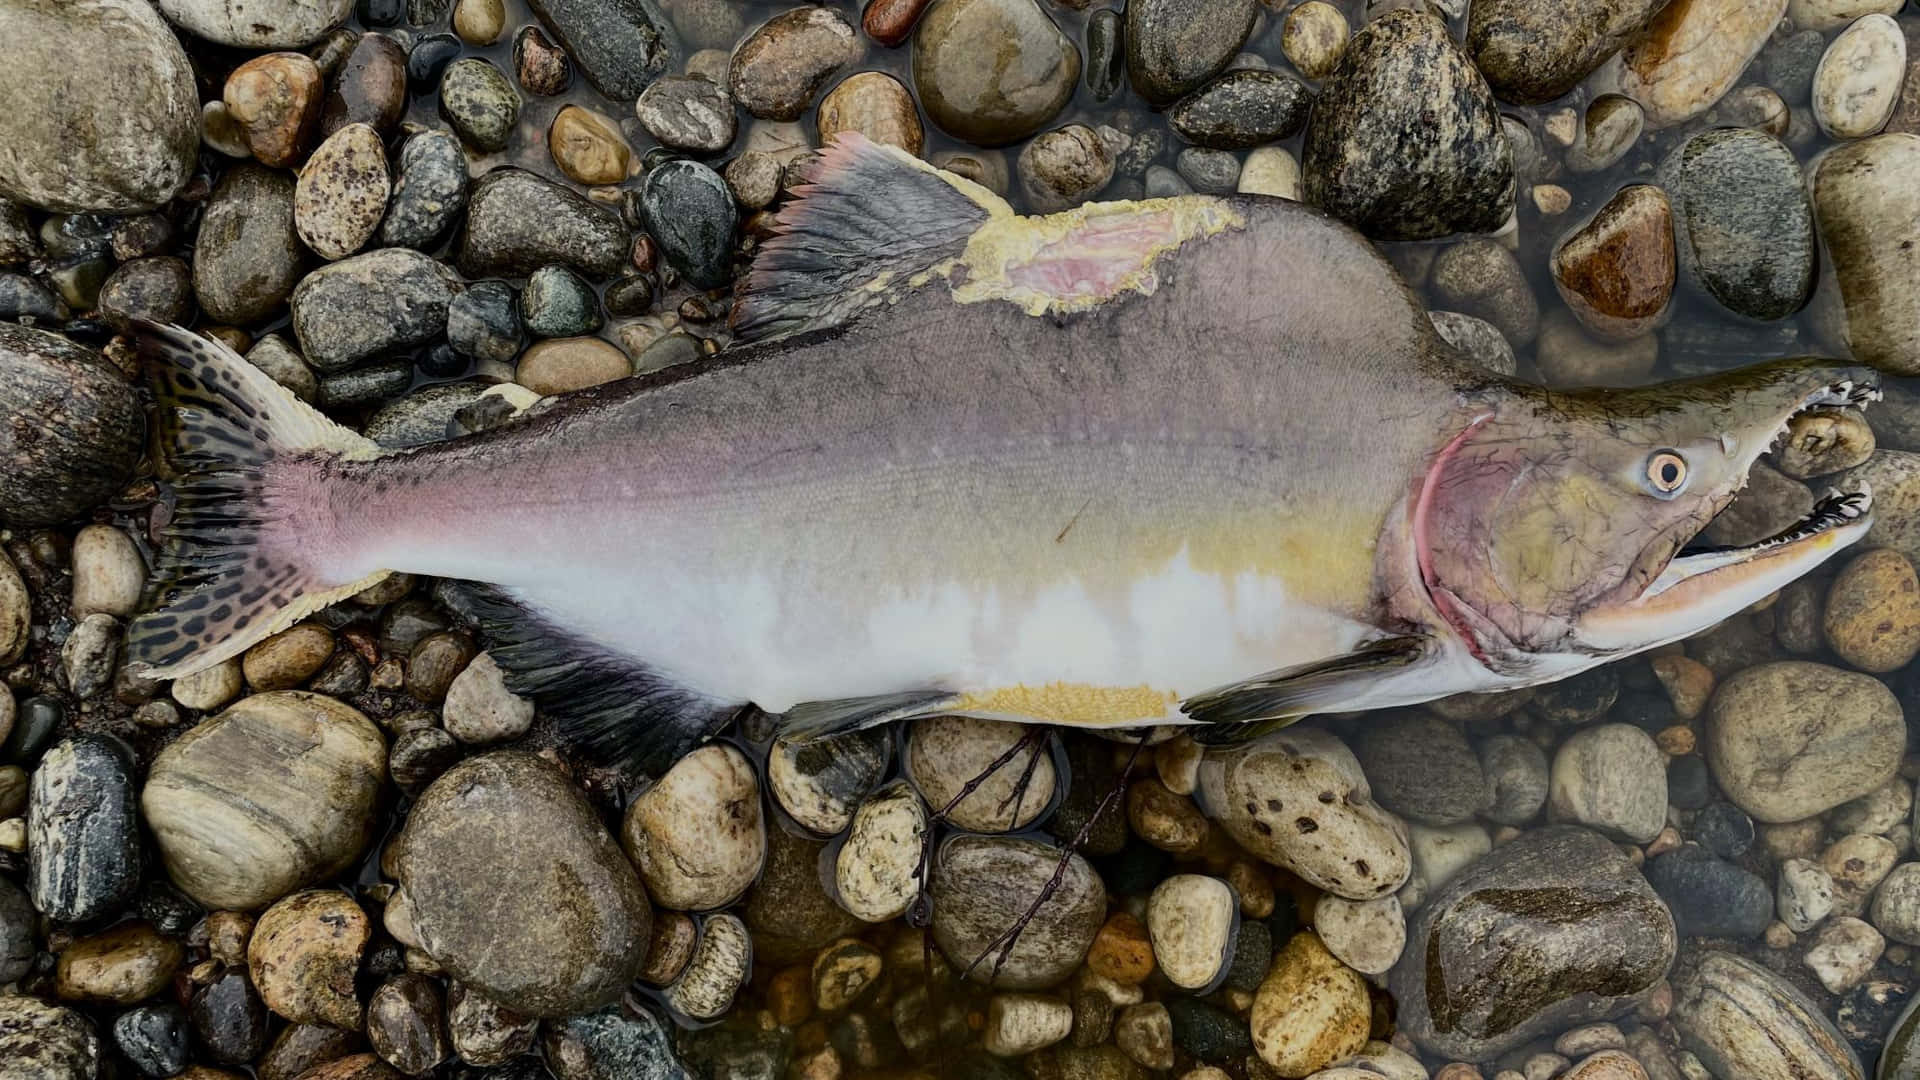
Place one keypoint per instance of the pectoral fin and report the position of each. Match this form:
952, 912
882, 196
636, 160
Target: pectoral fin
1255, 706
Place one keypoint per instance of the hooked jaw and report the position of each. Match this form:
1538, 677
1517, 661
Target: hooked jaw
1701, 586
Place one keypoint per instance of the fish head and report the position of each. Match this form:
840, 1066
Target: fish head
1558, 529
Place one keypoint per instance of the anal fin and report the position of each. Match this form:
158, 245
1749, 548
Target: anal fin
1277, 698
611, 707
815, 719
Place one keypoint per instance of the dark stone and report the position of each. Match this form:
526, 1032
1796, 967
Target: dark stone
419, 757
1173, 46
230, 1020
1867, 1014
361, 307
480, 103
621, 45
368, 385
158, 288
83, 832
21, 297
788, 910
1208, 1032
692, 216
611, 1044
1242, 109
484, 322
169, 910
738, 1050
1252, 955
1688, 784
1549, 931
371, 87
1723, 829
18, 921
1422, 767
1790, 63
34, 727
429, 59
1742, 222
1106, 58
629, 296
540, 66
1135, 869
518, 222
247, 257
381, 12
1405, 142
406, 1024
154, 1039
1214, 172
1580, 700
1711, 897
142, 235
557, 302
1532, 53
1094, 777
442, 361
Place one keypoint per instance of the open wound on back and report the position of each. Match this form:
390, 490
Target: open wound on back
1076, 259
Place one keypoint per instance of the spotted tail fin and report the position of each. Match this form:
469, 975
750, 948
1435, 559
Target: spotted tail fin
227, 576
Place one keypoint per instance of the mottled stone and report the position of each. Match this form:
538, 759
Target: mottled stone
248, 256
1857, 84
1551, 929
620, 45
275, 99
101, 111
429, 193
515, 888
1310, 1011
720, 965
74, 434
982, 884
342, 192
779, 69
1406, 111
480, 103
1689, 55
691, 214
1533, 53
518, 222
1241, 109
1617, 271
41, 1041
1173, 46
687, 112
370, 88
876, 105
1743, 225
83, 837
370, 304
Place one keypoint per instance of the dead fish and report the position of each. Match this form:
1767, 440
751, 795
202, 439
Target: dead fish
1199, 460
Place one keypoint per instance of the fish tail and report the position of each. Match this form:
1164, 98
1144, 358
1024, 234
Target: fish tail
242, 454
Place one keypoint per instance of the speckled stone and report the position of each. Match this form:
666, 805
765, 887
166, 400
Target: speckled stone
1743, 225
1173, 46
518, 222
1241, 109
1533, 53
369, 304
342, 192
620, 45
780, 68
1406, 111
429, 193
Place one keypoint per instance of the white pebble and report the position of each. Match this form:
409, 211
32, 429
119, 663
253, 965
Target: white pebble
1896, 906
1022, 1023
211, 688
1843, 952
108, 573
479, 707
877, 873
1270, 170
1190, 918
1805, 894
1858, 81
1439, 853
1365, 935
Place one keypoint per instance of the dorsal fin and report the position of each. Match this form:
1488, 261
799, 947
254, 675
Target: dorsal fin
868, 215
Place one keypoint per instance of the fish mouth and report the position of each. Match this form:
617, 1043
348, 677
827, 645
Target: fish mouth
1703, 584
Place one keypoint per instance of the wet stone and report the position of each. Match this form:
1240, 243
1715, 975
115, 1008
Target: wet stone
720, 965
687, 113
1612, 778
483, 1033
1422, 768
981, 884
1311, 1010
1479, 277
429, 192
158, 289
588, 147
17, 932
518, 222
992, 71
370, 88
1214, 172
1730, 1010
556, 302
229, 1019
780, 68
696, 835
1868, 207
620, 45
1857, 84
90, 655
428, 59
483, 322
102, 112
578, 913
1534, 53
876, 105
1207, 1032
945, 753
154, 1038
1711, 897
271, 795
611, 1044
406, 1024
41, 1041
1173, 46
1242, 109
23, 298
821, 783
1743, 226
1723, 829
364, 386
1106, 60
1479, 340
1689, 55
480, 103
419, 757
1553, 928
1063, 168
877, 872
540, 67
1191, 918
276, 99
304, 954
248, 257
1872, 618
560, 365
121, 966
83, 839
1776, 774
370, 304
1824, 441
1405, 110
1314, 37
1617, 272
1518, 771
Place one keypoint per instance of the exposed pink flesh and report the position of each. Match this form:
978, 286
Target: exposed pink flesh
1443, 600
1092, 261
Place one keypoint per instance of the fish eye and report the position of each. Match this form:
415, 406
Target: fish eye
1666, 471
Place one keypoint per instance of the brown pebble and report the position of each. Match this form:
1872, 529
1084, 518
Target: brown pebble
890, 22
1688, 683
436, 662
227, 935
275, 99
288, 658
876, 105
588, 147
129, 963
790, 995
1121, 950
541, 66
1617, 272
371, 88
669, 948
1676, 741
1873, 612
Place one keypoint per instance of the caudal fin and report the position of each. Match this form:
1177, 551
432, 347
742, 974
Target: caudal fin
221, 423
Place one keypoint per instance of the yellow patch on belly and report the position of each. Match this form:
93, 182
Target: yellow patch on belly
1071, 703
